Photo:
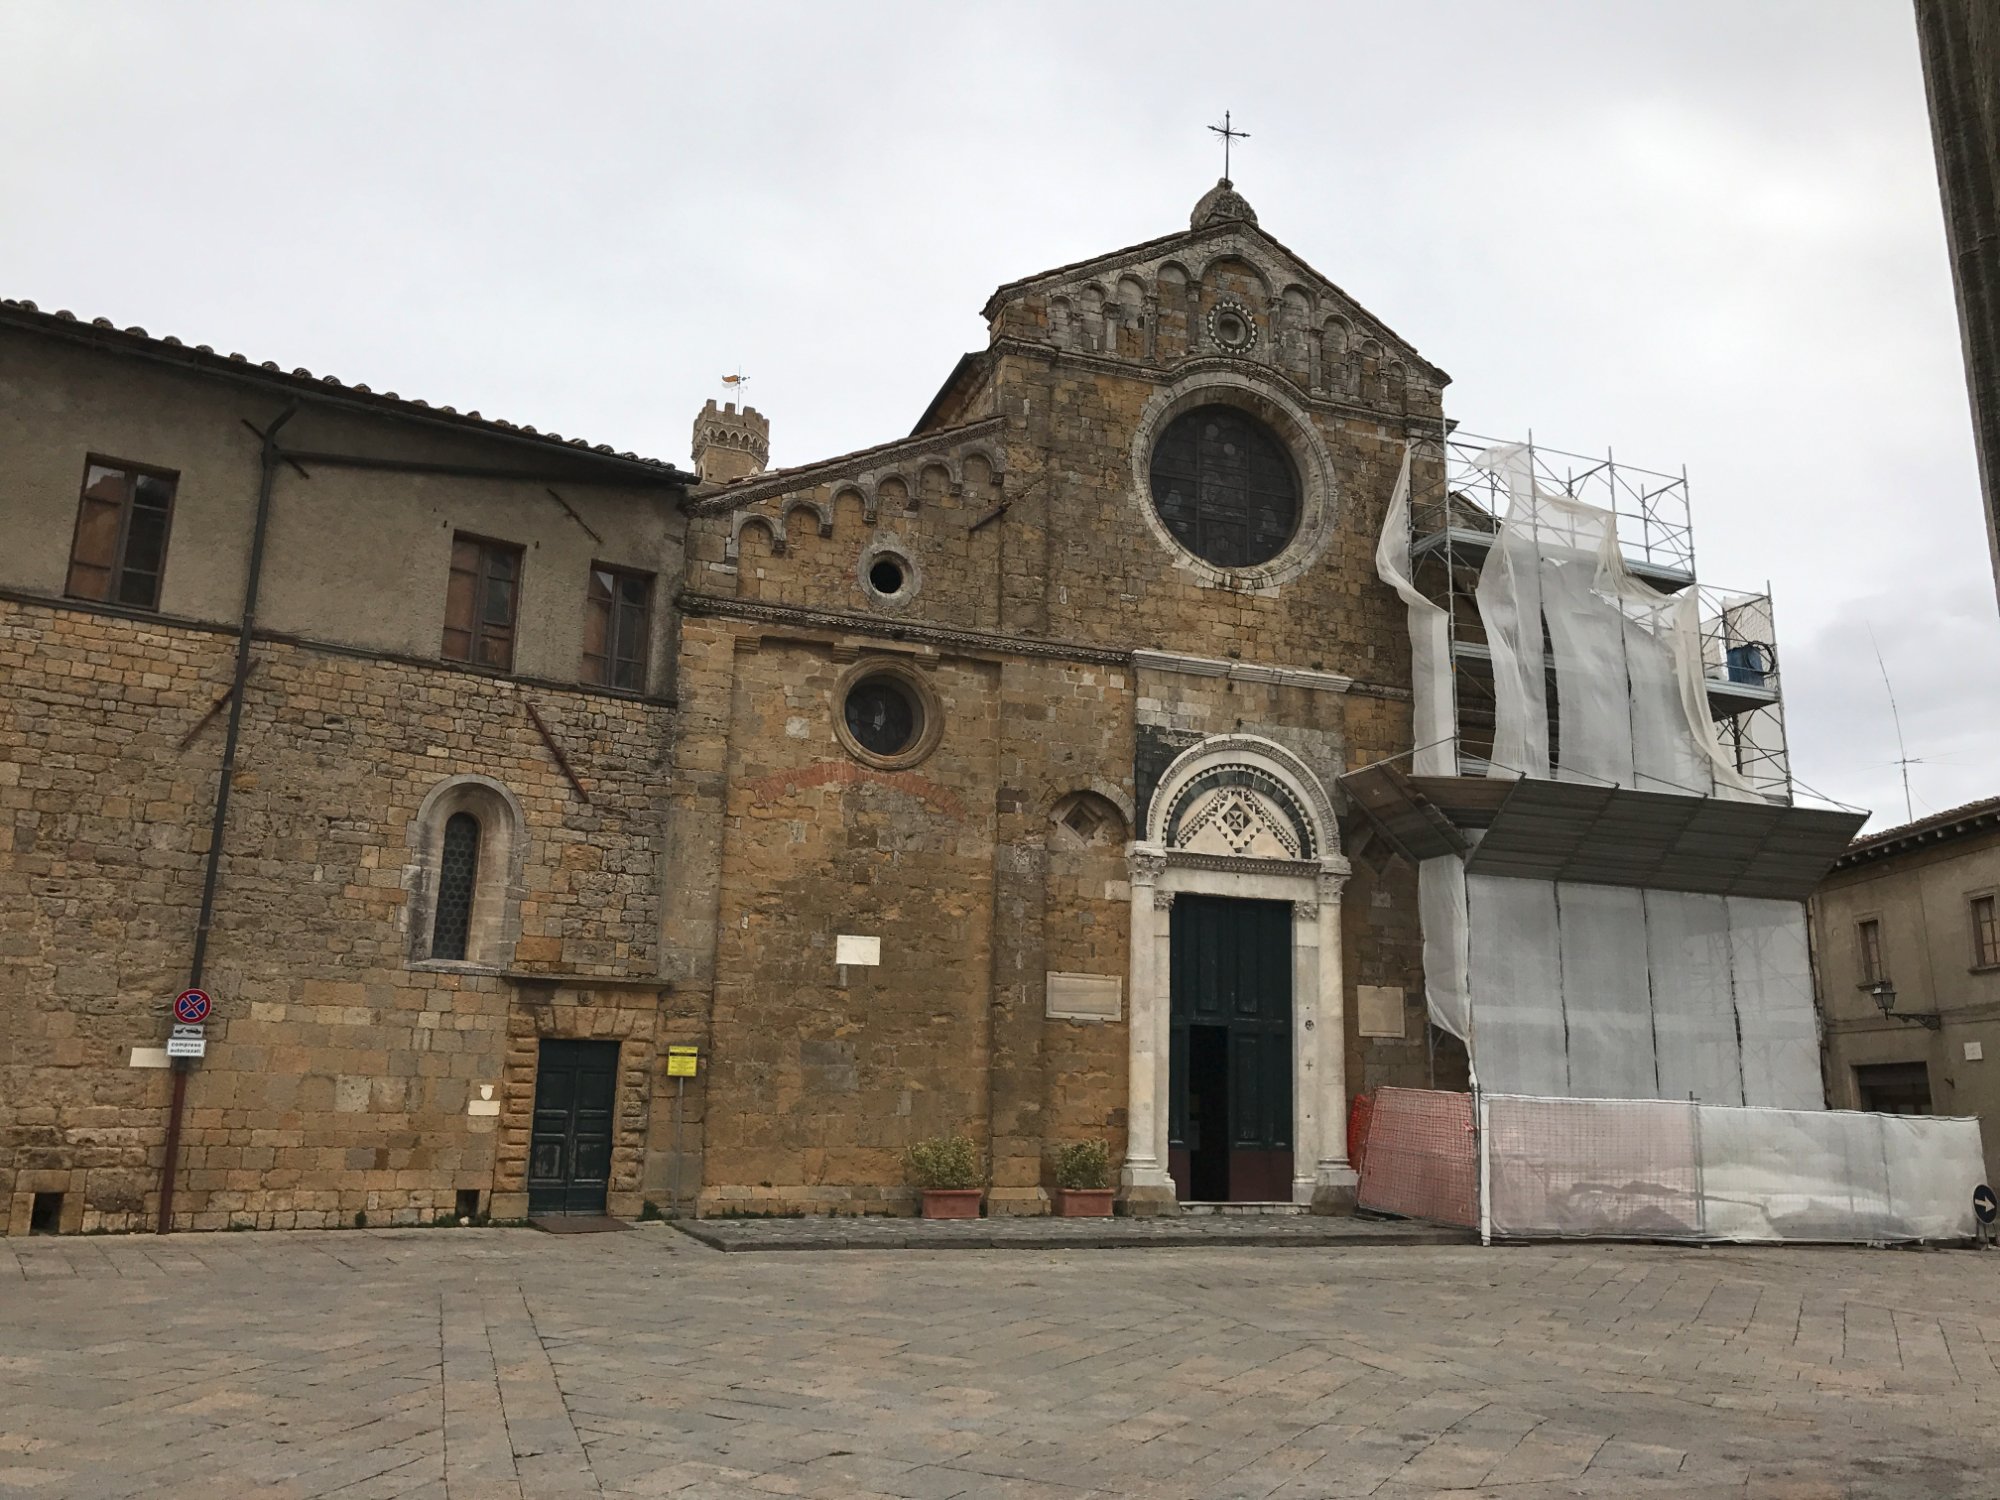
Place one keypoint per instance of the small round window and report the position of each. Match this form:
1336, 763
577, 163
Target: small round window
1225, 487
883, 715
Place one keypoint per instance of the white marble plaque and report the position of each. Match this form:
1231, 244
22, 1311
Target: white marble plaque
1380, 1009
860, 951
1084, 997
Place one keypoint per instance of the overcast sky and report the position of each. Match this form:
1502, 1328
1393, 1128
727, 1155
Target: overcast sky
1701, 234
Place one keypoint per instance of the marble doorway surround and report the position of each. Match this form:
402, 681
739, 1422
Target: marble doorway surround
1241, 816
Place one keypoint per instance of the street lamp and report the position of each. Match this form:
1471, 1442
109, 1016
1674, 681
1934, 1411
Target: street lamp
1884, 995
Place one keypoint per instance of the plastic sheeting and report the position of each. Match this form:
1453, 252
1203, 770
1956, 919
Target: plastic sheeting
1656, 1169
1583, 990
1631, 701
1610, 992
1434, 715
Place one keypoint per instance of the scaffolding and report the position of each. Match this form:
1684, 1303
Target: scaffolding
1456, 502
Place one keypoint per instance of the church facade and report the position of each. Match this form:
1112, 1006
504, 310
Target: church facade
1046, 703
979, 782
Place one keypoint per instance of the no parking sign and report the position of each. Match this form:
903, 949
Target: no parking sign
191, 1007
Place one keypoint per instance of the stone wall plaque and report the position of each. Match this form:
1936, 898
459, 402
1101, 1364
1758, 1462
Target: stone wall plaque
1084, 997
1380, 1007
852, 948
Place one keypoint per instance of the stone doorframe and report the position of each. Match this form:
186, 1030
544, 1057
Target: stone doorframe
1311, 880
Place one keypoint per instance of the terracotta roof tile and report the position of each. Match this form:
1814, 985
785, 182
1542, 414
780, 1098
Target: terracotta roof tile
200, 355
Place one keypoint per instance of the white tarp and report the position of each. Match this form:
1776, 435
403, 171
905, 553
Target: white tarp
1656, 1169
1610, 992
1582, 990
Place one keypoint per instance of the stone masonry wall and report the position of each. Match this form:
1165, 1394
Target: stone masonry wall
339, 1072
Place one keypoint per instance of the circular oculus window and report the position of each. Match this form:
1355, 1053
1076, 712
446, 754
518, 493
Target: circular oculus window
1231, 326
1225, 487
888, 715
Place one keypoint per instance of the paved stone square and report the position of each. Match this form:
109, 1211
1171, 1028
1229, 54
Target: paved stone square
483, 1363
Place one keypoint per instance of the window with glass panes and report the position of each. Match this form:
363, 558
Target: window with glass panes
481, 601
458, 879
120, 548
614, 628
1985, 932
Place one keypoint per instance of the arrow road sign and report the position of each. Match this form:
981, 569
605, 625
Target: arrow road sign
1984, 1204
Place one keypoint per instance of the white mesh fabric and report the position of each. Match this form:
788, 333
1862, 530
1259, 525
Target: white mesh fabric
1433, 712
1661, 1170
1510, 605
1694, 1004
1517, 1015
1606, 1006
1591, 1167
1441, 909
1934, 1164
1774, 1003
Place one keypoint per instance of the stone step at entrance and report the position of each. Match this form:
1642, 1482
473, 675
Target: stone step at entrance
1244, 1210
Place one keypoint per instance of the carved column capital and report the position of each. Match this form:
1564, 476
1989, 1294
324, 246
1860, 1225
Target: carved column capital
1146, 864
1162, 900
1305, 911
1330, 885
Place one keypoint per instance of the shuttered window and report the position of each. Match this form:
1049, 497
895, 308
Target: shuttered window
615, 627
481, 601
1868, 938
120, 548
1985, 932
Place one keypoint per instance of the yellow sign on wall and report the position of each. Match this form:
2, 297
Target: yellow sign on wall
681, 1062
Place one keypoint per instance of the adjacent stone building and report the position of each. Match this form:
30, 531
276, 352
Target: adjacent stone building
379, 986
982, 781
1906, 959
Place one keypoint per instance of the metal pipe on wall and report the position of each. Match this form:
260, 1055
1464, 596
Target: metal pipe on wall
269, 459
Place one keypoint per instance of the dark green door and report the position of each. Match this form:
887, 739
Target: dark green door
1230, 1067
569, 1152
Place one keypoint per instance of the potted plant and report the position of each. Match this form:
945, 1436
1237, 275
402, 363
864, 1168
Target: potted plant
946, 1168
1083, 1180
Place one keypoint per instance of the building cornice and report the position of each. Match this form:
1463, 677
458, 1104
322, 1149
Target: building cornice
1237, 671
1006, 643
152, 620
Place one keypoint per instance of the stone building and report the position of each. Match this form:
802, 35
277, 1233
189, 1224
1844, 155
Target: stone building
1007, 751
1906, 961
443, 841
981, 781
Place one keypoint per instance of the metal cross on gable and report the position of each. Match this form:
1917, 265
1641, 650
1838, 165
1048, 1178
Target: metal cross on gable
1228, 135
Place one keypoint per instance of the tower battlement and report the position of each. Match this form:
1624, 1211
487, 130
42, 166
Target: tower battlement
730, 444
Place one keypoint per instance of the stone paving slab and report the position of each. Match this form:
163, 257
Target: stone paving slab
1026, 1232
467, 1364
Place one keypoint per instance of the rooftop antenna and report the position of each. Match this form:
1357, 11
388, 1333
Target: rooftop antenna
1228, 135
1903, 760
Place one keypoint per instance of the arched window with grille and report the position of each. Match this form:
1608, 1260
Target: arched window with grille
467, 842
458, 879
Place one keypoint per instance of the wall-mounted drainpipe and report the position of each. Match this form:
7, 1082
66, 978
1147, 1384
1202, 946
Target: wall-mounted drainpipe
271, 457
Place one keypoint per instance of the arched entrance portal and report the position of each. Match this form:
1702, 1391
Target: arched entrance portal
1238, 1057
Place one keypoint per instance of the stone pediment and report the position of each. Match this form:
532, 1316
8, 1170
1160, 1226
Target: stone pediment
1223, 287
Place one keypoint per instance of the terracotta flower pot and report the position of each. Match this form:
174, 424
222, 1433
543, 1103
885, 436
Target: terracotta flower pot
1084, 1203
951, 1203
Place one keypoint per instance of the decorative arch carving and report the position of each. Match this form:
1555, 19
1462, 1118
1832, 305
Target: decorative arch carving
1248, 793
